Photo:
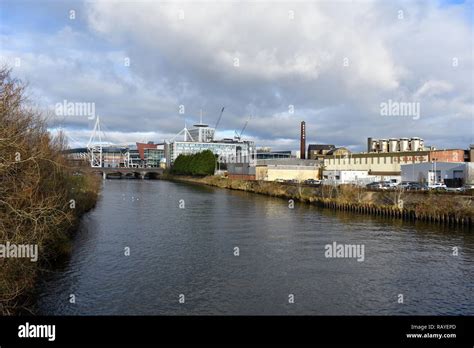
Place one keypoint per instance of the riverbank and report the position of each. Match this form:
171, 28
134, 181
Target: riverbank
19, 275
425, 206
41, 197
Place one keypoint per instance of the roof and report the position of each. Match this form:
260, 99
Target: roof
288, 161
318, 147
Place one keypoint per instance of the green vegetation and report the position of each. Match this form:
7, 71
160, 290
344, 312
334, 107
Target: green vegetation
40, 197
199, 164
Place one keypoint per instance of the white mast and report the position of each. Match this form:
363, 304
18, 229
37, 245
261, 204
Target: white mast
95, 148
185, 133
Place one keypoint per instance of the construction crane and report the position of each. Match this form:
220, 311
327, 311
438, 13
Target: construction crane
219, 118
217, 123
239, 136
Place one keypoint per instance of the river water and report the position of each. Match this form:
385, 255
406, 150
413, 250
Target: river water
190, 251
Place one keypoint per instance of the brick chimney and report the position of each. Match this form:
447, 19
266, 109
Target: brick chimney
303, 140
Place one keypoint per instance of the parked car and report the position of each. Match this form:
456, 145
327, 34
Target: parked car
279, 180
389, 185
291, 181
437, 186
454, 189
312, 182
405, 185
467, 187
414, 186
374, 185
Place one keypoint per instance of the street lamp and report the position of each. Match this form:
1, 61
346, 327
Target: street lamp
433, 168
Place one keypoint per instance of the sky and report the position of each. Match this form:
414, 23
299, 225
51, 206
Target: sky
334, 64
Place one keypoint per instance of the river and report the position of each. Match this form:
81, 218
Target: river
281, 267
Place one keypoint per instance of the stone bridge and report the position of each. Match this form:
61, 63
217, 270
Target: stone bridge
118, 172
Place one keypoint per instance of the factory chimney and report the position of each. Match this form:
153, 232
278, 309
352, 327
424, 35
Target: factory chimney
303, 140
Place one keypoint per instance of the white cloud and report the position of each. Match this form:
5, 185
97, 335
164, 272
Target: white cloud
282, 61
433, 88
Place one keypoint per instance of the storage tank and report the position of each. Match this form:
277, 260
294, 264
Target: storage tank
415, 143
404, 144
370, 145
383, 145
393, 145
376, 145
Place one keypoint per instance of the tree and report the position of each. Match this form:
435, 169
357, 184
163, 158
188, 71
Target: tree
36, 188
199, 164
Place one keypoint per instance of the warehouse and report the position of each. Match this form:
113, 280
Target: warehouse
288, 169
276, 169
357, 177
453, 174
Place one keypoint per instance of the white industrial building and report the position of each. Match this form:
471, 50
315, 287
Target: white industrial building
357, 177
201, 138
443, 172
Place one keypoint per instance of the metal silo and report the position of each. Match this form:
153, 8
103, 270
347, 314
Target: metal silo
404, 142
415, 143
393, 145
